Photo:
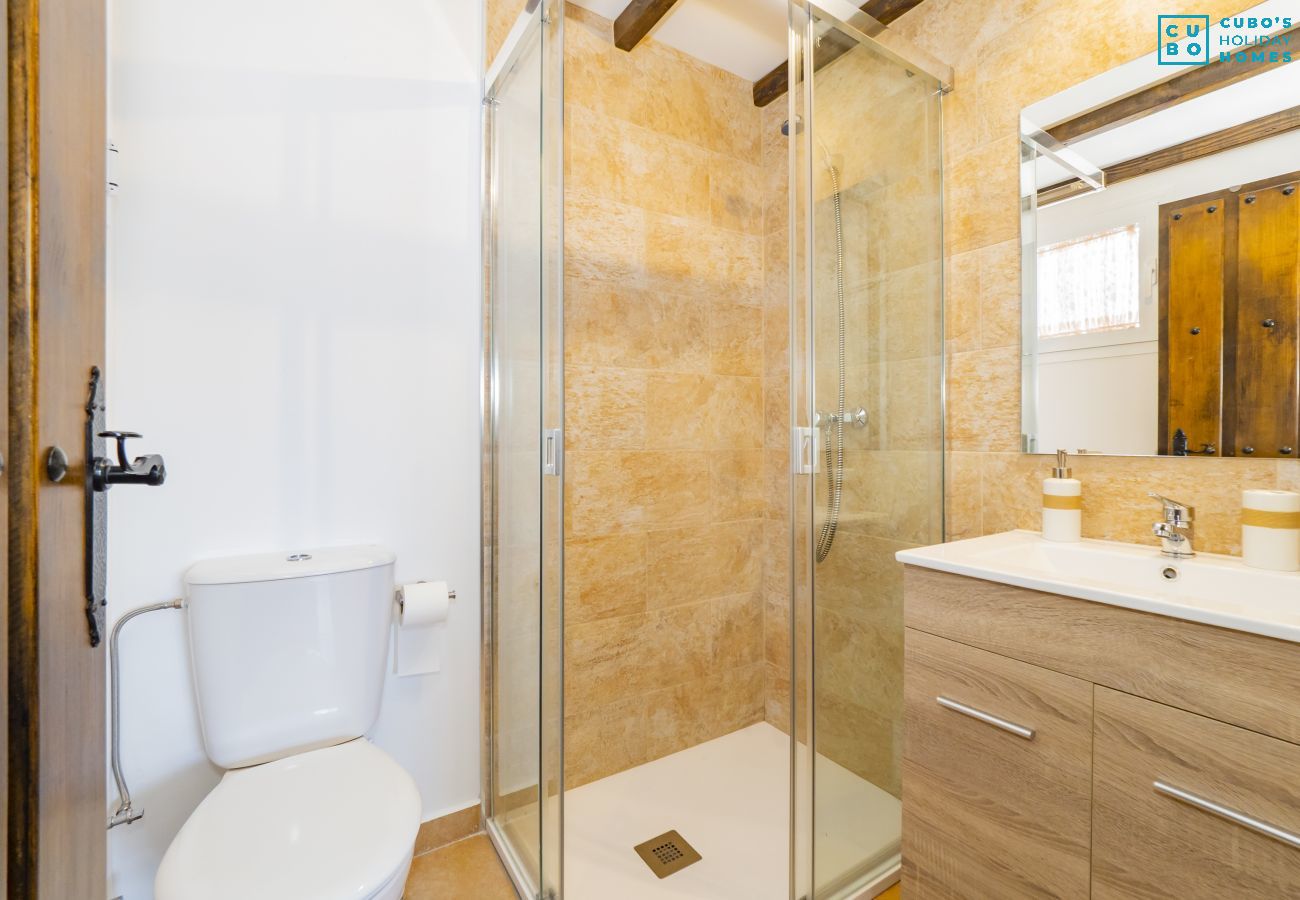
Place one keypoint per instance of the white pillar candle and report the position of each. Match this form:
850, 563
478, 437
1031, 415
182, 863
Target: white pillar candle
1270, 530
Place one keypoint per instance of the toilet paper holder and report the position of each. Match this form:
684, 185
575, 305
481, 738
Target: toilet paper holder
401, 599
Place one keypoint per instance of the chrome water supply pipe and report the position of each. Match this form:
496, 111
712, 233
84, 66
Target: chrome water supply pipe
125, 814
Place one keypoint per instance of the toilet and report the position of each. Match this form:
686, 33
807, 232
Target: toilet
289, 654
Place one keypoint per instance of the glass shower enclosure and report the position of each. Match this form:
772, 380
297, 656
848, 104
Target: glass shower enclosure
523, 394
865, 380
867, 375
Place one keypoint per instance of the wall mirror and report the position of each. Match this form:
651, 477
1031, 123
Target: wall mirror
1161, 257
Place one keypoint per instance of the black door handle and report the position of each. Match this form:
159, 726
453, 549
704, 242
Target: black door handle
147, 470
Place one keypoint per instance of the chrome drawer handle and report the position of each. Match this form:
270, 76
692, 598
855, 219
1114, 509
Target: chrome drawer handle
1231, 815
988, 719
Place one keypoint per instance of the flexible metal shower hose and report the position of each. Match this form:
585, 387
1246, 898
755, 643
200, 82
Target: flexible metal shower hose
835, 456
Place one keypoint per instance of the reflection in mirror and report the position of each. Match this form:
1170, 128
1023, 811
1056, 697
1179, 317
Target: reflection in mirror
1161, 309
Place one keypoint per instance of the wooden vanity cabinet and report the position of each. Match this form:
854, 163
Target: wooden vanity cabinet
1148, 842
987, 809
1060, 748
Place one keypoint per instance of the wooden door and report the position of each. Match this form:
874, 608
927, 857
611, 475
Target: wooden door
56, 127
1194, 254
1268, 313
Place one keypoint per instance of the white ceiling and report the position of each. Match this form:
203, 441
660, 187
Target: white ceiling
746, 37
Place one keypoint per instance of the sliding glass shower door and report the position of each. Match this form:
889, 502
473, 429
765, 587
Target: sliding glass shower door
867, 375
523, 467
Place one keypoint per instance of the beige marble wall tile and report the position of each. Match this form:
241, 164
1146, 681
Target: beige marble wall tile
1288, 475
613, 659
736, 485
983, 196
910, 417
999, 295
603, 241
616, 160
686, 564
499, 17
708, 105
963, 496
736, 412
604, 408
735, 194
962, 302
776, 561
617, 491
862, 580
776, 694
1011, 491
776, 403
679, 410
776, 482
717, 412
666, 487
852, 653
731, 701
606, 739
864, 742
735, 339
685, 257
604, 578
1116, 505
613, 325
597, 75
983, 403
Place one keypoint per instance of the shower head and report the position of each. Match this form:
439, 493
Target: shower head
827, 159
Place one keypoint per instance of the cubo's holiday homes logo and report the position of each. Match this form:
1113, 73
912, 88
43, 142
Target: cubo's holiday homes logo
1187, 40
1184, 40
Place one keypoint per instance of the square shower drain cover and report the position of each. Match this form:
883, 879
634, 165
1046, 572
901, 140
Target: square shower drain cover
667, 853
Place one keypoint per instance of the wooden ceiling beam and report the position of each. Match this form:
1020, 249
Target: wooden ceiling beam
1281, 122
637, 20
777, 82
1197, 82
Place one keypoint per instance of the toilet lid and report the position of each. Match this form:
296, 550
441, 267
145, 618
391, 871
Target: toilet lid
326, 825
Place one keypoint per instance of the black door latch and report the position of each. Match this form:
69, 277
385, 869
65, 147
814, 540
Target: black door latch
148, 470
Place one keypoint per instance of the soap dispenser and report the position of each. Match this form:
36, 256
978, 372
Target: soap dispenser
1062, 503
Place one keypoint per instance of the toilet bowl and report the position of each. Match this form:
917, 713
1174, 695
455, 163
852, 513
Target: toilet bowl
289, 653
331, 824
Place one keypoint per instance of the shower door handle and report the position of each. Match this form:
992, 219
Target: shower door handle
552, 451
804, 456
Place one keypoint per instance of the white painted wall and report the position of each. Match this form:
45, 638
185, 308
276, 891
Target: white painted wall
1102, 400
293, 322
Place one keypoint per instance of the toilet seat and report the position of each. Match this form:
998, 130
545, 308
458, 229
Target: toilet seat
331, 824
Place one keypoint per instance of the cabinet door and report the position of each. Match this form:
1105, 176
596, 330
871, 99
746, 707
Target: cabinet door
1181, 804
996, 775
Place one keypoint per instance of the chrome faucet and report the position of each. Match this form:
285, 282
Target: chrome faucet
1178, 529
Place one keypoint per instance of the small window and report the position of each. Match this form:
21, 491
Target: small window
1089, 284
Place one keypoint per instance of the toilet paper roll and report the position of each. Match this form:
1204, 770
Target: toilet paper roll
1270, 530
421, 631
425, 603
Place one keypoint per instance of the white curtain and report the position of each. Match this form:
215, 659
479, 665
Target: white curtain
1089, 284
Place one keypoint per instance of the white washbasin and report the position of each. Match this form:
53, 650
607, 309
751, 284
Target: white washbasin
1213, 589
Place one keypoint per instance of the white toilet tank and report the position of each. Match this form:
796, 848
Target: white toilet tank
289, 651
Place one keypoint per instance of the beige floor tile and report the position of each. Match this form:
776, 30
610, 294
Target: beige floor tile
467, 868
